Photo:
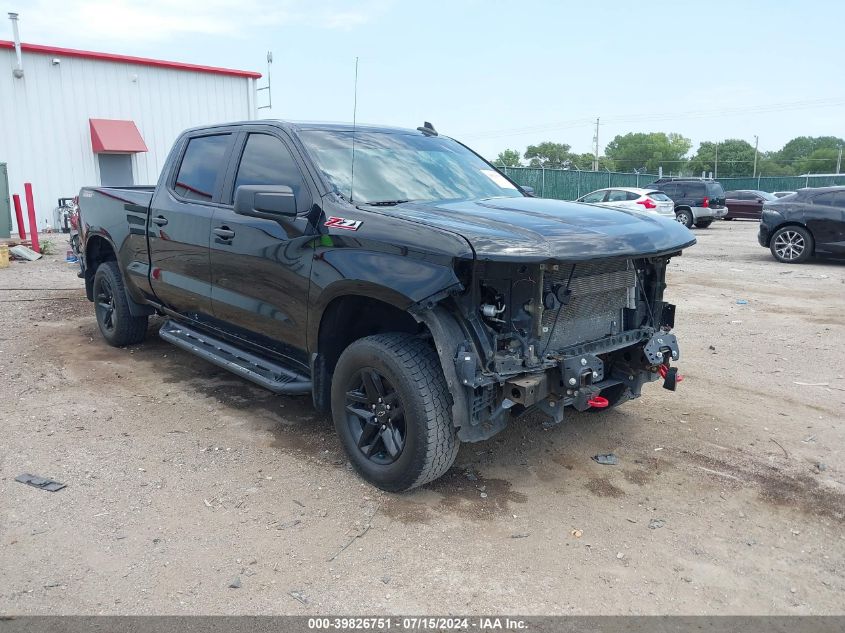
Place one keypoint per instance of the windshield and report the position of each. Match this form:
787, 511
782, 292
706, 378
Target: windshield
394, 167
766, 195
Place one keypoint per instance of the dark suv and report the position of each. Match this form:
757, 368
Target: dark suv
697, 201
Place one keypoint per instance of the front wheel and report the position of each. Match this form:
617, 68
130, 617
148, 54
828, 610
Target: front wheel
684, 216
391, 410
792, 244
703, 224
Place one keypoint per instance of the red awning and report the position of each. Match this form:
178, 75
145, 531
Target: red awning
114, 136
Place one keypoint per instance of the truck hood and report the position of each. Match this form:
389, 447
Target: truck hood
539, 229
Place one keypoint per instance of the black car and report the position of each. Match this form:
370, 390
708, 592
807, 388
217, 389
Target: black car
697, 201
812, 221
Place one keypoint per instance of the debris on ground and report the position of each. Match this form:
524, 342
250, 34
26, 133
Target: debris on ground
742, 302
811, 384
236, 583
298, 595
577, 533
521, 535
608, 459
819, 467
50, 485
655, 524
620, 555
22, 252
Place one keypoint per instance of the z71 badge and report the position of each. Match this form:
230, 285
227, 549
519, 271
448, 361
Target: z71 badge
343, 223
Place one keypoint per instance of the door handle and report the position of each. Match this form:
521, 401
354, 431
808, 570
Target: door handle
224, 232
159, 220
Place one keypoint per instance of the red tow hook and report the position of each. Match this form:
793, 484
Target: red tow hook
670, 375
599, 402
664, 371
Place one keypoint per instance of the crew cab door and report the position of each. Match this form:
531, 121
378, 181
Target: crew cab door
260, 266
180, 224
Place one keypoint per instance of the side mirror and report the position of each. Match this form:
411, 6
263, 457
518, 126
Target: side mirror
529, 191
265, 201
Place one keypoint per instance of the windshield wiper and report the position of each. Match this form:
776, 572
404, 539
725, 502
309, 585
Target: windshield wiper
385, 203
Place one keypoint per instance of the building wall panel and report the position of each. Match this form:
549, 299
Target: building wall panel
44, 132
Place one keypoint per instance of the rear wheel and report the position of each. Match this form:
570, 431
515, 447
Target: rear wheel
792, 244
684, 216
703, 224
117, 325
391, 410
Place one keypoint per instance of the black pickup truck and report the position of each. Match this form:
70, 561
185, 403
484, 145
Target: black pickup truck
414, 291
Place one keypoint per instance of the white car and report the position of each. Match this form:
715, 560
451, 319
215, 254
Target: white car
633, 198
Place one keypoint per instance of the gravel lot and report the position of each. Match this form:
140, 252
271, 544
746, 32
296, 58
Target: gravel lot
182, 480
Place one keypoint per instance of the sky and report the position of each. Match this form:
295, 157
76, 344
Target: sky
499, 75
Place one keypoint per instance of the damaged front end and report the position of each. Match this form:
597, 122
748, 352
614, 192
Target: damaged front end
553, 335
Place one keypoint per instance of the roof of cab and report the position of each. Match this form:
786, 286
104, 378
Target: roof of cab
311, 125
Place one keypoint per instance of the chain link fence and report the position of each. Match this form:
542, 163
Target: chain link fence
564, 184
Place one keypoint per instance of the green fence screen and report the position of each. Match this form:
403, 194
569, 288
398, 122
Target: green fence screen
565, 184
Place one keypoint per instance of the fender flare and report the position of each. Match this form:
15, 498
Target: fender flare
448, 336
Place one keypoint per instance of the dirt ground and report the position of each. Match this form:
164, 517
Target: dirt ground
729, 495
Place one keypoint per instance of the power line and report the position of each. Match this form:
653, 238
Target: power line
665, 116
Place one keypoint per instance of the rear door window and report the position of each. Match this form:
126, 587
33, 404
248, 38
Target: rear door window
630, 195
826, 199
616, 195
202, 165
596, 196
670, 190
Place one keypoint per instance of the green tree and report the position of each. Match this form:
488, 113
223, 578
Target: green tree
551, 155
795, 153
767, 165
508, 158
821, 161
638, 150
735, 156
585, 162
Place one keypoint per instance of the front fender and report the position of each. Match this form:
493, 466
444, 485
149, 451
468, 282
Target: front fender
398, 280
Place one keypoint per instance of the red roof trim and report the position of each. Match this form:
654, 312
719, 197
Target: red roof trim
127, 59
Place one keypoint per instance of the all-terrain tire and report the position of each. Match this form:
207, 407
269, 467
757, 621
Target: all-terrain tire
685, 217
117, 325
412, 368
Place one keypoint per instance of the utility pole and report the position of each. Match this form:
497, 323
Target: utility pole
756, 143
839, 160
716, 165
596, 142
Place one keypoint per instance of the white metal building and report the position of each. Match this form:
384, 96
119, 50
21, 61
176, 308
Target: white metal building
74, 118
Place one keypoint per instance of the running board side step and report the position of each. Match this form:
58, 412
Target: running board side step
268, 374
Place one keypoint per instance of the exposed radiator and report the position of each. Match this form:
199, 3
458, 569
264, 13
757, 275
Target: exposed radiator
600, 291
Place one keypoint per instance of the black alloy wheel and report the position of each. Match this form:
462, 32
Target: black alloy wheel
375, 416
104, 307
